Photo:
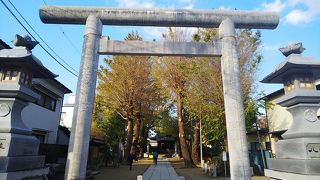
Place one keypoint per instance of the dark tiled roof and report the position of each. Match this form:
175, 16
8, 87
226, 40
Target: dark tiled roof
274, 94
4, 45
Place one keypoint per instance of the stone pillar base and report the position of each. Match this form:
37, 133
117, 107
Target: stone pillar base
299, 148
20, 163
274, 174
30, 174
300, 166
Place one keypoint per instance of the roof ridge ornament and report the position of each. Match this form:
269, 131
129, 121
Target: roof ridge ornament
24, 41
294, 48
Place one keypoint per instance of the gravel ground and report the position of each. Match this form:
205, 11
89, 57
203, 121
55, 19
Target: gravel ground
123, 172
197, 173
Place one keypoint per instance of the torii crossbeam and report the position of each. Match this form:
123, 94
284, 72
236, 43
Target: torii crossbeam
95, 17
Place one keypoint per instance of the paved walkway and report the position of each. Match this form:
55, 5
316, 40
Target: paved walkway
162, 171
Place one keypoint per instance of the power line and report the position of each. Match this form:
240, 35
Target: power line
40, 37
68, 39
65, 35
37, 40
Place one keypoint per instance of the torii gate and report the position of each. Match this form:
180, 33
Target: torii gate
94, 44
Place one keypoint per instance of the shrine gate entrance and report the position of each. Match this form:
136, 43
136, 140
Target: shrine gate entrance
94, 44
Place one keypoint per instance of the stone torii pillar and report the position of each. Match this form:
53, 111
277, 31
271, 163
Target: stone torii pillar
226, 20
81, 123
233, 103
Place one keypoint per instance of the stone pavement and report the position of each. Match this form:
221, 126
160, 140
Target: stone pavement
162, 171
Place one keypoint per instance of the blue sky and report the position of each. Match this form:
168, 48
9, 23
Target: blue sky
299, 22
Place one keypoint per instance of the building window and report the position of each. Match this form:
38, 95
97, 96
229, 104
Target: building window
10, 75
306, 83
255, 146
25, 78
268, 146
50, 103
46, 101
289, 86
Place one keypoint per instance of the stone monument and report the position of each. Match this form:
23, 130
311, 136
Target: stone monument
18, 148
298, 153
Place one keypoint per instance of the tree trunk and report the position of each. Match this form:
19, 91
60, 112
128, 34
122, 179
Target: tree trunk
136, 129
196, 143
225, 137
225, 143
142, 139
179, 149
145, 139
129, 138
182, 137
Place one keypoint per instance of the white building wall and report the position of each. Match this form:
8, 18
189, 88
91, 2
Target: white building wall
37, 117
40, 118
67, 121
278, 118
68, 110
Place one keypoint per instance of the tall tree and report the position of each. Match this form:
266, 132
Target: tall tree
119, 85
171, 73
204, 98
128, 87
204, 102
107, 123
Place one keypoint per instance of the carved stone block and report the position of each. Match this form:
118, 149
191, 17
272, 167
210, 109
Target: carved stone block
18, 145
11, 164
300, 148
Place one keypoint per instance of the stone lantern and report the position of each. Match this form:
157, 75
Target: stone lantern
298, 153
18, 148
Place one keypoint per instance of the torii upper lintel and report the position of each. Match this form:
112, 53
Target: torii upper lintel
160, 17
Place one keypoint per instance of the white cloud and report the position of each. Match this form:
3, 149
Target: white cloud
293, 2
186, 1
270, 47
300, 16
150, 33
297, 16
136, 3
184, 4
224, 8
297, 11
190, 6
190, 31
276, 6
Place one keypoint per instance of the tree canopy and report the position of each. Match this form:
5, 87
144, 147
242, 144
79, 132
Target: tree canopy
172, 95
